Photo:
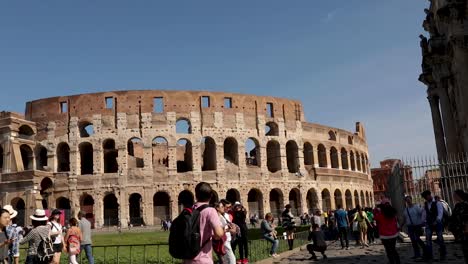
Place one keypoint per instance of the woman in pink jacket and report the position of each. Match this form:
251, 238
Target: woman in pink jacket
386, 218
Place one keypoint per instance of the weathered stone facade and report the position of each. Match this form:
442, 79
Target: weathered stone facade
444, 71
127, 156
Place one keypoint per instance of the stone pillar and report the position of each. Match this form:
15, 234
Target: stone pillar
349, 161
328, 158
99, 210
172, 163
437, 125
316, 159
451, 137
340, 164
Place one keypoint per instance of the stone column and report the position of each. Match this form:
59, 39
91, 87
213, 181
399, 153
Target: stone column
172, 163
451, 137
99, 210
348, 157
328, 158
316, 159
340, 164
437, 125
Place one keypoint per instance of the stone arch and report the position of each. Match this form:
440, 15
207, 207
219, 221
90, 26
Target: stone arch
20, 206
349, 199
331, 135
308, 154
87, 206
27, 157
231, 151
326, 200
86, 155
273, 156
353, 163
46, 190
64, 204
252, 152
358, 161
63, 157
135, 151
161, 207
295, 201
86, 129
344, 159
276, 202
363, 201
208, 149
271, 129
160, 151
350, 140
111, 210
110, 156
233, 195
356, 198
334, 158
184, 155
292, 156
185, 199
25, 131
1, 158
255, 202
41, 157
322, 156
183, 126
312, 201
338, 198
135, 209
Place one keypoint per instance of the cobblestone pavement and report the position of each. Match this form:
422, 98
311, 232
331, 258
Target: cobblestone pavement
373, 254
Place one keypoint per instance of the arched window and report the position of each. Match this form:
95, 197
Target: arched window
276, 202
292, 156
344, 159
252, 152
86, 129
41, 157
308, 154
322, 156
334, 158
349, 200
255, 202
208, 148
295, 201
312, 201
183, 126
331, 136
161, 207
27, 157
160, 152
184, 155
338, 198
135, 209
326, 200
63, 157
111, 210
271, 129
110, 156
25, 131
273, 156
86, 155
231, 153
233, 195
135, 153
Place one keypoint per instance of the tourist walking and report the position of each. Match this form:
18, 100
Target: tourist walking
240, 215
414, 223
73, 240
39, 232
458, 223
432, 214
56, 234
318, 242
341, 218
86, 241
14, 233
386, 218
269, 233
361, 218
5, 242
230, 230
288, 224
371, 227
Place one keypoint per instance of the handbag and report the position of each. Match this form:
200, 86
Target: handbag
218, 246
355, 226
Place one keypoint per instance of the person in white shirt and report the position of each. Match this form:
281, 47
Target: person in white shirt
432, 215
414, 222
56, 231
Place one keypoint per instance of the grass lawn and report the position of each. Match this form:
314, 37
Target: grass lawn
135, 247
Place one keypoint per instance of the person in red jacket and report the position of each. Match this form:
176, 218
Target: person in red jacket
386, 218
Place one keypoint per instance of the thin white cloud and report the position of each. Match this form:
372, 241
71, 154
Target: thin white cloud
330, 16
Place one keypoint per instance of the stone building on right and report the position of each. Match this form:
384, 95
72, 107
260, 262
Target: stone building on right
445, 73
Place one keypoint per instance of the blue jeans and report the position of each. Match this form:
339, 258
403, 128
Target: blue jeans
275, 243
438, 228
415, 233
89, 252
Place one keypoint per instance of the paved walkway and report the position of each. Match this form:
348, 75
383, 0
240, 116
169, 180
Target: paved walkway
373, 254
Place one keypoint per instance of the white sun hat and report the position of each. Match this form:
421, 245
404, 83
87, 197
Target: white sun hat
39, 215
11, 210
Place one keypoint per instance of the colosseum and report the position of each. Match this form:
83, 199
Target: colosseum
126, 156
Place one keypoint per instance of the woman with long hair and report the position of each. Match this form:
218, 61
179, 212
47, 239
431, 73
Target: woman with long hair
288, 224
228, 257
240, 215
363, 224
56, 235
269, 233
458, 223
4, 241
387, 223
72, 240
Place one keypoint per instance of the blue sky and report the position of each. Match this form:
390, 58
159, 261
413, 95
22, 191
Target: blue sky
347, 61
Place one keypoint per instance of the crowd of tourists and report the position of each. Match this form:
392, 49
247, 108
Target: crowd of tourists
46, 237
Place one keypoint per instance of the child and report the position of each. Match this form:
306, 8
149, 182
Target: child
319, 245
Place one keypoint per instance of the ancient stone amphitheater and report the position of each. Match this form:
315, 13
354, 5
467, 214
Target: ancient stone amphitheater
128, 155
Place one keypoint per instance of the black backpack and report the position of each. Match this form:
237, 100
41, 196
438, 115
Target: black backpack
45, 250
184, 237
